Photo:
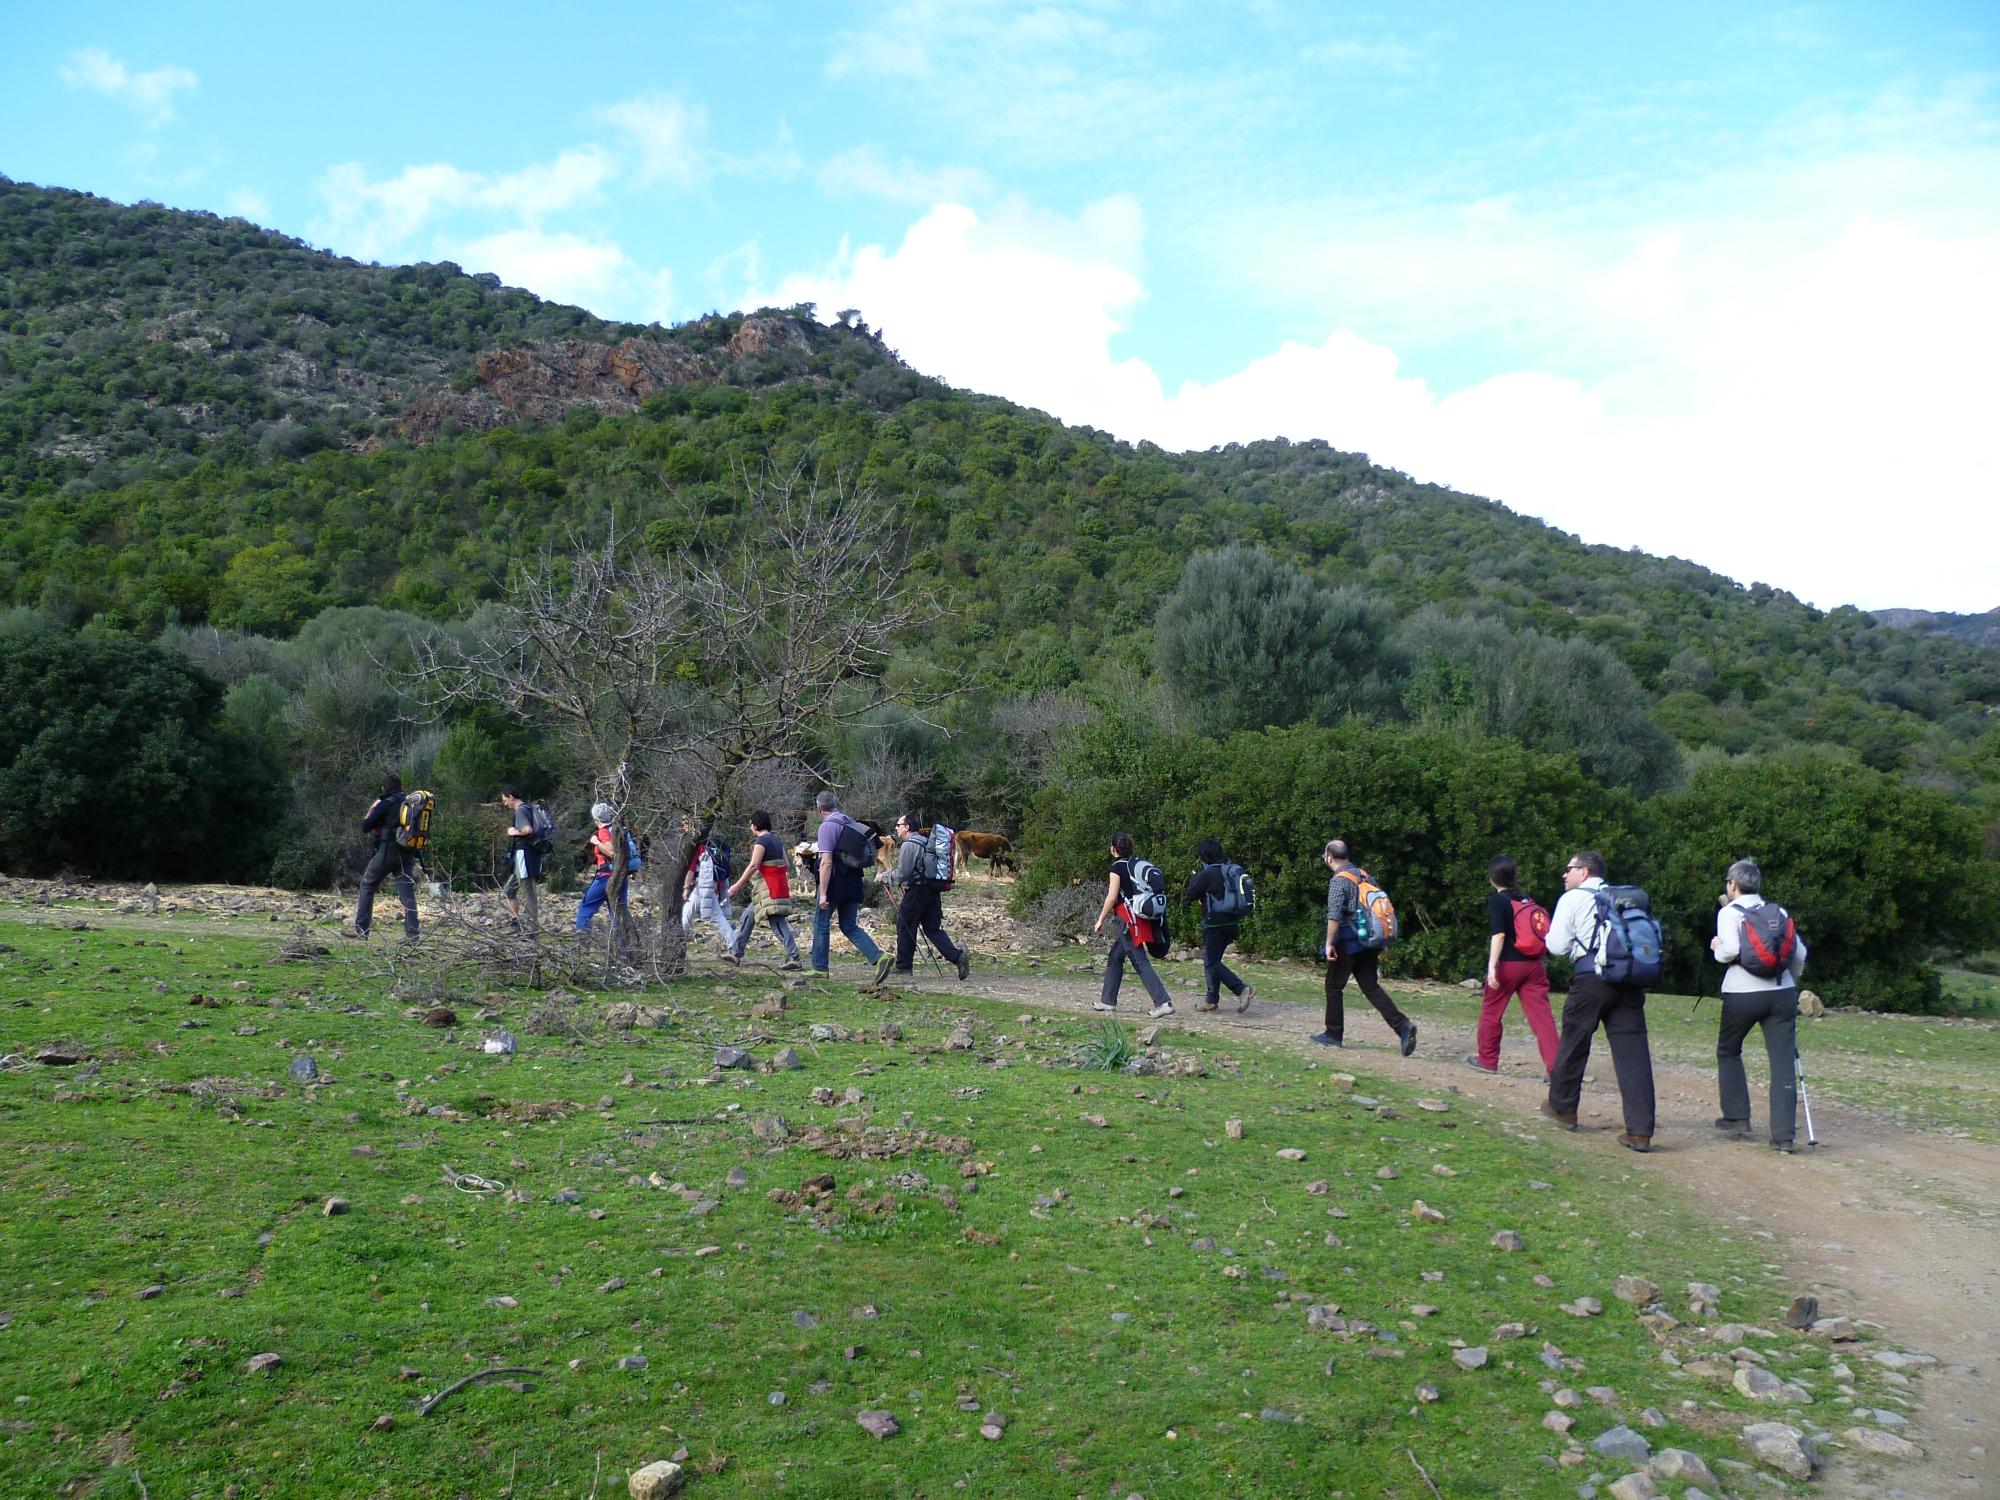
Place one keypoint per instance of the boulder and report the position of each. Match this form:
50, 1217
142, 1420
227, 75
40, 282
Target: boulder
1622, 1442
1782, 1447
656, 1481
1679, 1464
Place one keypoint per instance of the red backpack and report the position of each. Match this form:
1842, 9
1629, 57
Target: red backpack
1531, 927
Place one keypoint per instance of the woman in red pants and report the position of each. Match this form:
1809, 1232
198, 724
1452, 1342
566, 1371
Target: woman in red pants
1514, 965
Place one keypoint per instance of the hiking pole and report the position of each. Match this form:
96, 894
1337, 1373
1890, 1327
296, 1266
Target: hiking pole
1805, 1099
930, 953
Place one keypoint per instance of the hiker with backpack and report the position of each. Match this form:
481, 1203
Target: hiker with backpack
1515, 965
767, 877
604, 856
399, 823
1614, 939
1226, 893
1137, 893
925, 863
846, 847
702, 887
531, 836
1360, 925
1765, 955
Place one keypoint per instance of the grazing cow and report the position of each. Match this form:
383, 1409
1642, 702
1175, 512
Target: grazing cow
994, 848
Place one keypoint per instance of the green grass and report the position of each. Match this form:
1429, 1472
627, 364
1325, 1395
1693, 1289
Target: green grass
1062, 1288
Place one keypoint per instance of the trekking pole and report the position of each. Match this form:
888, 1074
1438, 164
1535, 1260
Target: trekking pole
1805, 1099
930, 953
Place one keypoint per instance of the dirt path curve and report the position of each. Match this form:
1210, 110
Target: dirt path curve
1880, 1221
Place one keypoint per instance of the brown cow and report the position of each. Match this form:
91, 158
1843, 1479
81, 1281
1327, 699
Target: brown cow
806, 854
995, 848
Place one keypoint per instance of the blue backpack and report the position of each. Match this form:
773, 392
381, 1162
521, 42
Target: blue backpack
1626, 945
1239, 894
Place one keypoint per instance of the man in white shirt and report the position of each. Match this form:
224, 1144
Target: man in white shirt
1591, 1002
1748, 999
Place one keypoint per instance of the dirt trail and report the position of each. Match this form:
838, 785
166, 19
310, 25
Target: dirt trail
1880, 1221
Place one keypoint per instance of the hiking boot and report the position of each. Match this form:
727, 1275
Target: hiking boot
1102, 1005
731, 956
1164, 1008
1409, 1037
1785, 1146
1639, 1143
1326, 1039
1474, 1062
964, 964
1209, 1005
1739, 1129
790, 966
902, 973
1567, 1122
1243, 1000
883, 966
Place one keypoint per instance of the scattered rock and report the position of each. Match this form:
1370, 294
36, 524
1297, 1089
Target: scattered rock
1887, 1444
1568, 1399
1897, 1359
1435, 1106
1506, 1331
304, 1070
1623, 1443
1387, 1174
148, 1293
786, 1061
1427, 1393
615, 1284
1276, 1414
1423, 1211
656, 1481
960, 1038
891, 1032
1325, 1317
825, 1031
770, 1129
1558, 1422
1233, 1129
1803, 1312
257, 1364
1096, 1122
737, 1178
503, 1301
1760, 1384
334, 1206
803, 1319
877, 1424
1781, 1446
993, 1427
1636, 1290
1469, 1359
1507, 1239
1583, 1307
1832, 1330
1703, 1299
1635, 1486
1291, 1153
633, 1362
500, 1044
1679, 1464
732, 1057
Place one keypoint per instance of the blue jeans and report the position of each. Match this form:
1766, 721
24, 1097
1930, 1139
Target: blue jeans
595, 896
823, 919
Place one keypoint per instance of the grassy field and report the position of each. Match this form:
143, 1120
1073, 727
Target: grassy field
1091, 1256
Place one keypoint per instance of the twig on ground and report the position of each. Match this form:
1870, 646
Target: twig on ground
1424, 1472
598, 1475
141, 1483
1267, 1207
431, 1403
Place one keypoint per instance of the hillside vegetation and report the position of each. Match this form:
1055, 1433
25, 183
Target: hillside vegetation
277, 463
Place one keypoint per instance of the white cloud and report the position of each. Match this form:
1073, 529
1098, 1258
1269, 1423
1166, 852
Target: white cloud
669, 136
248, 203
863, 170
560, 267
1823, 429
150, 94
373, 218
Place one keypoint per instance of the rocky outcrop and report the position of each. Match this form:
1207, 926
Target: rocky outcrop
544, 382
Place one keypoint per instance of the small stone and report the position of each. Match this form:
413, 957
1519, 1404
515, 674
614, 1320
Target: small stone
615, 1284
502, 1301
1652, 1417
1435, 1106
1558, 1421
770, 1129
1703, 1298
1276, 1414
827, 1032
1896, 1359
1681, 1465
500, 1044
1325, 1316
993, 1428
1469, 1359
960, 1039
1636, 1290
1422, 1310
1427, 1393
304, 1070
891, 1032
738, 1178
1623, 1443
786, 1061
1832, 1330
1637, 1486
1761, 1385
1387, 1174
1506, 1331
732, 1057
1096, 1122
803, 1319
1887, 1444
1233, 1129
1423, 1211
632, 1362
1803, 1312
1603, 1395
656, 1481
257, 1364
383, 1423
1342, 1082
334, 1206
776, 1398
1781, 1446
1507, 1239
877, 1424
1583, 1307
148, 1293
567, 1195
1291, 1153
1568, 1399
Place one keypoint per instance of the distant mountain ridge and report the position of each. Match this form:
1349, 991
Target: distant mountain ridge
1981, 630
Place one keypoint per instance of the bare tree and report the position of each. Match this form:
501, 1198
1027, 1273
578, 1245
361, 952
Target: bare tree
685, 679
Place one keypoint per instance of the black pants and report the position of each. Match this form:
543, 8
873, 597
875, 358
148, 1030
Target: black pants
922, 910
1215, 942
1621, 1011
1366, 969
1123, 948
390, 860
1777, 1011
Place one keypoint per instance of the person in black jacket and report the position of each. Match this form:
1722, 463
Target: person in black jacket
389, 859
1218, 929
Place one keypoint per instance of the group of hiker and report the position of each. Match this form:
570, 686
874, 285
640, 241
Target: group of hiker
1607, 932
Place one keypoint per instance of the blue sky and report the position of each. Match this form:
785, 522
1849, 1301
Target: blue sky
1721, 284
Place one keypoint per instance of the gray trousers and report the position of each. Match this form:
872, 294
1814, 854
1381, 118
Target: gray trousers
391, 860
1777, 1011
1123, 948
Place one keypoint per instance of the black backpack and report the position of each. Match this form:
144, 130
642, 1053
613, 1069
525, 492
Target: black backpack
854, 845
1769, 940
1238, 895
718, 858
542, 839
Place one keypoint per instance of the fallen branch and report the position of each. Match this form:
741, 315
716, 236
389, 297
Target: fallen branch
431, 1403
1424, 1472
